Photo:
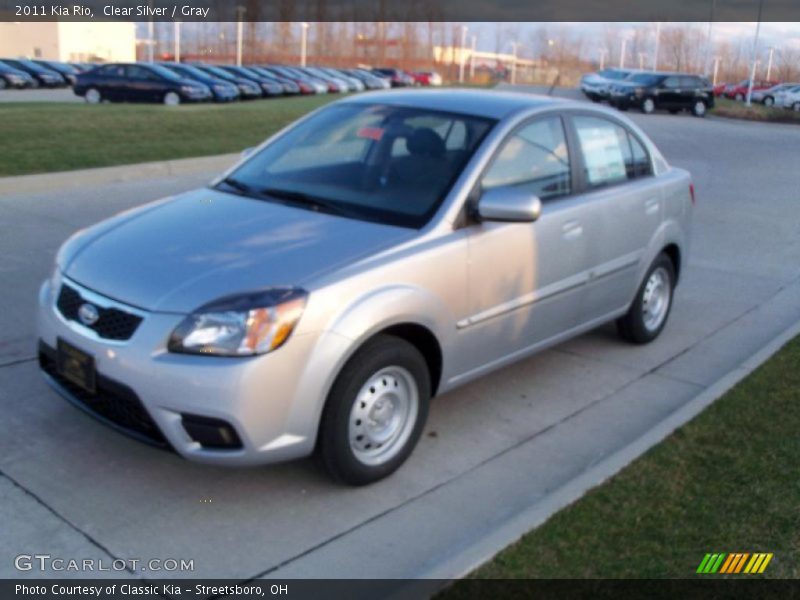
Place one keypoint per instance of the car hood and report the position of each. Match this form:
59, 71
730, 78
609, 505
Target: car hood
177, 254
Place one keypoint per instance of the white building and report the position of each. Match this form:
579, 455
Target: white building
69, 41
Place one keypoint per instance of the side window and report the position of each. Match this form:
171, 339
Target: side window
672, 83
605, 148
535, 158
690, 83
641, 159
111, 71
135, 72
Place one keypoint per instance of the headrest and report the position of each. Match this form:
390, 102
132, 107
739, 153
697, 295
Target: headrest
425, 142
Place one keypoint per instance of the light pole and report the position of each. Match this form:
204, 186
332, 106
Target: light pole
303, 43
622, 53
513, 62
177, 52
708, 38
472, 58
658, 42
151, 42
755, 54
239, 26
769, 63
716, 70
603, 53
463, 54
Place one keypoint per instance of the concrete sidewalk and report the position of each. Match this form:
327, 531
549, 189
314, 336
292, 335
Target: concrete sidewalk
494, 453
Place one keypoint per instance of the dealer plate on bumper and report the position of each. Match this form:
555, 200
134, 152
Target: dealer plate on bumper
76, 365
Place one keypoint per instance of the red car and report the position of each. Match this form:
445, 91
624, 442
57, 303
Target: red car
719, 89
426, 78
739, 91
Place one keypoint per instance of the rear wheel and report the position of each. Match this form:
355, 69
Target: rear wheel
769, 101
650, 309
93, 96
172, 99
648, 106
375, 411
3, 83
699, 109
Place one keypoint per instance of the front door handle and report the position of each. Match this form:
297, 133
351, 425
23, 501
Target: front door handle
571, 230
651, 206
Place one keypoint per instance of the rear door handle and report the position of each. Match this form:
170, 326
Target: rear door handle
651, 206
571, 230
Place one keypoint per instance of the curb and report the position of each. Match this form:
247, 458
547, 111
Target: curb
480, 552
46, 182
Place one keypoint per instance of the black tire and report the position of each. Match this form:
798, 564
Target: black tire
632, 327
699, 109
334, 449
769, 101
648, 106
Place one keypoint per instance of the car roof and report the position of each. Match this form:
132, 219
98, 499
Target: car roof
480, 103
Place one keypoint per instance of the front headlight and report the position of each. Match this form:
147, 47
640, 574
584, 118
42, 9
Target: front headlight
241, 325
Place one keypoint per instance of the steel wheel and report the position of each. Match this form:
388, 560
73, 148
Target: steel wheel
93, 96
383, 415
172, 99
656, 299
699, 109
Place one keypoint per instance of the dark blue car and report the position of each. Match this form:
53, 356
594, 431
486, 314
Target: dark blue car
139, 82
223, 90
14, 78
43, 76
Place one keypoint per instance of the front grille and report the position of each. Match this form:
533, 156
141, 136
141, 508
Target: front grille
113, 402
112, 324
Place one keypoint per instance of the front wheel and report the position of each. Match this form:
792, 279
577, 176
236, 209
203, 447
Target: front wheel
699, 109
375, 411
648, 106
172, 99
769, 101
650, 309
93, 96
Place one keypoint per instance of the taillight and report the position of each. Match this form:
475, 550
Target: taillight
691, 193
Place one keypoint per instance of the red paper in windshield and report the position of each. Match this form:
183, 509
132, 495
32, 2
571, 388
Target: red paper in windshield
371, 133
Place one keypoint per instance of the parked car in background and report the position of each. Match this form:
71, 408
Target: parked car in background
290, 88
139, 82
248, 89
354, 84
396, 77
719, 89
371, 81
791, 98
303, 79
673, 92
269, 87
15, 78
222, 89
596, 86
44, 76
739, 91
426, 78
770, 96
322, 295
336, 85
66, 70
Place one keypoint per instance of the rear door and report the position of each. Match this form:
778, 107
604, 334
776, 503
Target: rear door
669, 96
624, 206
110, 80
143, 84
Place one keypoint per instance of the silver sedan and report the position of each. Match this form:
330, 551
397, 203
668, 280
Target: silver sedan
381, 250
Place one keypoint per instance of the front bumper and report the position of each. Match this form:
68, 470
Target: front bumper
272, 402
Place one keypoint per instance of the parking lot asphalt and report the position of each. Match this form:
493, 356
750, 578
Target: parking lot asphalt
74, 488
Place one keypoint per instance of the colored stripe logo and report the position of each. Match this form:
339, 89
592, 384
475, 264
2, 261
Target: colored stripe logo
735, 562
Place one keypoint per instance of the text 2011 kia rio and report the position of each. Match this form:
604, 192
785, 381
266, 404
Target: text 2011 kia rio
379, 251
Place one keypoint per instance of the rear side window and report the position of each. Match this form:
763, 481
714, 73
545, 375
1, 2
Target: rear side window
672, 82
112, 71
536, 158
690, 82
611, 153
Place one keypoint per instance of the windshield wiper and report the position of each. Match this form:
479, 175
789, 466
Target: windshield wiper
239, 186
313, 202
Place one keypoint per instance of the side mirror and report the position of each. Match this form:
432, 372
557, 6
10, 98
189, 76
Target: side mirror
507, 203
247, 152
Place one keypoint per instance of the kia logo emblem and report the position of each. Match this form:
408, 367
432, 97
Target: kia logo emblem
88, 314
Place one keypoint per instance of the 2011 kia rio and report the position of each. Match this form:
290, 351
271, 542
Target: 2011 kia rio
381, 250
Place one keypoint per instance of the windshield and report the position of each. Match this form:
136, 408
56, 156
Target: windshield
381, 163
613, 74
219, 72
165, 72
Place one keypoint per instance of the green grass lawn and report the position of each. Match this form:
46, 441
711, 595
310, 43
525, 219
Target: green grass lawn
725, 482
755, 112
43, 137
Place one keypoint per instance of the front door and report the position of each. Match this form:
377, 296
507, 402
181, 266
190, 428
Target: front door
526, 280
